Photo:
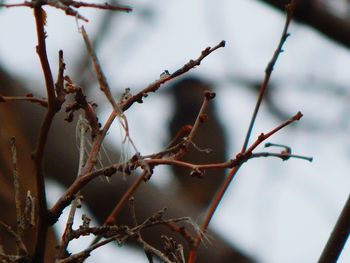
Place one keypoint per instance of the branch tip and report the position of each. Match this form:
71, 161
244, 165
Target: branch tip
298, 116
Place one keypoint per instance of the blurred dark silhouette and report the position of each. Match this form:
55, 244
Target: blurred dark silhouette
188, 94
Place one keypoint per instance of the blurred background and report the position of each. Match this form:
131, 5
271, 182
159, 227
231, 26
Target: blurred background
274, 211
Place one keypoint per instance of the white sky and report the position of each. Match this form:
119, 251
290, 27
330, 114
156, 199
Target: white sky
277, 211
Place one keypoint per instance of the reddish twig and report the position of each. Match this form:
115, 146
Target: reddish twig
111, 219
240, 159
246, 153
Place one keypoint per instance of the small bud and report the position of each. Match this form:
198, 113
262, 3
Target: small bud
165, 74
209, 94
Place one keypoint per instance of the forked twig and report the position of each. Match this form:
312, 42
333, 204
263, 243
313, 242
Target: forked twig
86, 174
246, 153
268, 71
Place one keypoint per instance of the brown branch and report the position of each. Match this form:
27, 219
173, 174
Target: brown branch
28, 98
191, 166
104, 87
111, 219
53, 107
153, 87
76, 186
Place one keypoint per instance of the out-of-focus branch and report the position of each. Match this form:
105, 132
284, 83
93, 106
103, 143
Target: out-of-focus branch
319, 17
29, 97
340, 234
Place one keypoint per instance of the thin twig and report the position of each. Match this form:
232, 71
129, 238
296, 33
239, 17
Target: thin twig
21, 247
121, 234
101, 76
282, 156
191, 166
121, 203
28, 98
104, 6
208, 95
83, 65
289, 8
66, 237
66, 6
110, 220
104, 86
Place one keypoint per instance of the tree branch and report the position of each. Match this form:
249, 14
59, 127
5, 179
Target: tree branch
317, 16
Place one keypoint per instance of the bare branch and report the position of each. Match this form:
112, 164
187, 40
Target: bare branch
153, 87
29, 97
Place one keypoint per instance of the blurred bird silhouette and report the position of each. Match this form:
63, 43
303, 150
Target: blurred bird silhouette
188, 94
